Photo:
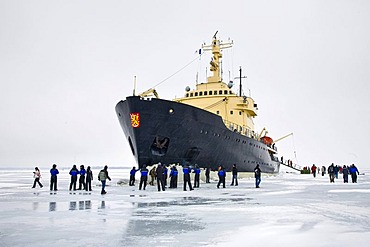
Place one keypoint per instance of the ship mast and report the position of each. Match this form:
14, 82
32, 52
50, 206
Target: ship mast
216, 48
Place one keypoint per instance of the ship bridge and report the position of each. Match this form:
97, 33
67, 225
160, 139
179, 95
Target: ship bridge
216, 96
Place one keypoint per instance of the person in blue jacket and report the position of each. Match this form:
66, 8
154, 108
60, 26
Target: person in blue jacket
165, 175
73, 172
221, 176
173, 176
354, 172
132, 176
186, 171
53, 179
89, 178
82, 183
196, 176
144, 177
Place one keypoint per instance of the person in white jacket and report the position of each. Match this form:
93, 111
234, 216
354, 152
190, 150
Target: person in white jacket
37, 176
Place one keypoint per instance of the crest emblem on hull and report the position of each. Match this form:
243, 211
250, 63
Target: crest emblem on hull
135, 119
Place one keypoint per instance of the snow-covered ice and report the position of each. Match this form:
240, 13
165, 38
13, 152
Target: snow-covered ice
288, 210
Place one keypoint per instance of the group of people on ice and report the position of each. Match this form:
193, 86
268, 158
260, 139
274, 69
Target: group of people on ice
84, 181
160, 174
335, 170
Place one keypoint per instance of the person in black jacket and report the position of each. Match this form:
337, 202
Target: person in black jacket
331, 171
160, 177
257, 175
89, 178
235, 175
208, 171
345, 172
102, 177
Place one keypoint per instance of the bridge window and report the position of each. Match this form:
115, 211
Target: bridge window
215, 92
210, 92
191, 94
187, 95
220, 92
200, 93
196, 94
205, 93
225, 91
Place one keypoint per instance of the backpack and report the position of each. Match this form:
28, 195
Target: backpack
331, 169
102, 175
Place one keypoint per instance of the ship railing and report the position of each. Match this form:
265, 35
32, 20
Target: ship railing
245, 131
240, 129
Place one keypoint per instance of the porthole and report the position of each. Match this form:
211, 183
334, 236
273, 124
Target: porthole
171, 111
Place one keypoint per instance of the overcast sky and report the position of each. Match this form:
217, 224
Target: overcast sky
65, 64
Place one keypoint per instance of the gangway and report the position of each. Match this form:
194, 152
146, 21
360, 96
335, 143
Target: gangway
291, 165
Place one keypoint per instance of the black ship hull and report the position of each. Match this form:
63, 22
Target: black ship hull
174, 133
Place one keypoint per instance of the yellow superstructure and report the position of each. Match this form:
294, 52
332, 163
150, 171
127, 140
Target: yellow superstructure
217, 97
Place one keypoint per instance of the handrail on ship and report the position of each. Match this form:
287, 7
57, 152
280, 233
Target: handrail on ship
244, 131
240, 129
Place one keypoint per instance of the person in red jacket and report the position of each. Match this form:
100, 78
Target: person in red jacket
313, 170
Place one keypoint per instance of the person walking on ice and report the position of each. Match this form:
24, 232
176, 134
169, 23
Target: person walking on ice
37, 176
102, 177
257, 175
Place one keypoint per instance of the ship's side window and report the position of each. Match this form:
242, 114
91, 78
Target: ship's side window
218, 112
196, 94
205, 93
240, 113
210, 92
231, 112
191, 94
225, 91
200, 93
230, 92
215, 92
220, 92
